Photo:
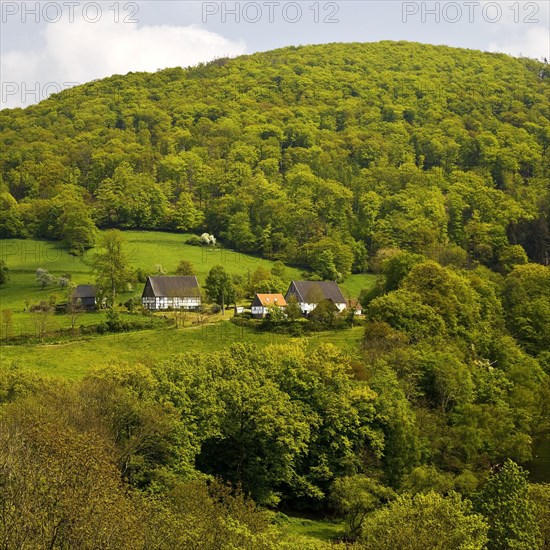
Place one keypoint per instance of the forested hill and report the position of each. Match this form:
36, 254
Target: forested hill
348, 148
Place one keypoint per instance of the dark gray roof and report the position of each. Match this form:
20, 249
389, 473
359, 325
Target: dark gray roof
328, 289
85, 291
172, 287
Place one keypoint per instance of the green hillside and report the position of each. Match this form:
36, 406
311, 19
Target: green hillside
317, 155
415, 175
145, 250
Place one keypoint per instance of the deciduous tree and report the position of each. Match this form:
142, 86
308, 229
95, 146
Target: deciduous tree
219, 287
505, 502
185, 268
110, 264
425, 522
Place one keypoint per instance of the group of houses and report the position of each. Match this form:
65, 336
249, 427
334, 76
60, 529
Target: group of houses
183, 292
307, 294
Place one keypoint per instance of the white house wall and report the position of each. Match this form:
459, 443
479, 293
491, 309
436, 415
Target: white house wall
163, 302
258, 310
308, 308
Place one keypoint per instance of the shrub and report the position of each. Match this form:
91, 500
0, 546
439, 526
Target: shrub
140, 275
193, 240
207, 240
40, 306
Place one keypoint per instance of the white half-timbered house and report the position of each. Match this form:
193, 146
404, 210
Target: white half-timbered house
175, 292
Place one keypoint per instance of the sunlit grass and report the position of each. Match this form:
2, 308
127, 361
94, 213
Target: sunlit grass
73, 359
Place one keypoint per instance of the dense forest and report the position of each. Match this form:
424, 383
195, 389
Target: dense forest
343, 149
425, 165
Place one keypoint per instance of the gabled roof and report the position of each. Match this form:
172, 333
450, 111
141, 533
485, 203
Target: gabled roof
85, 291
172, 286
327, 290
268, 300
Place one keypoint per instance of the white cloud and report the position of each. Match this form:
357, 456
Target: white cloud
522, 29
534, 42
44, 58
80, 51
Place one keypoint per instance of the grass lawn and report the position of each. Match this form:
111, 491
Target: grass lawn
308, 532
73, 359
354, 284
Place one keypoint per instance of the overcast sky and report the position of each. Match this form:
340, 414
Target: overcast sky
47, 46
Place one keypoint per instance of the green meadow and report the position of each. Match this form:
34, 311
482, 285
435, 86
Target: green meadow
72, 358
145, 249
308, 533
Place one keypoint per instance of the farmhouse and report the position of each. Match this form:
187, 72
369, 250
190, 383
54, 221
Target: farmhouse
263, 302
85, 296
171, 292
356, 306
310, 293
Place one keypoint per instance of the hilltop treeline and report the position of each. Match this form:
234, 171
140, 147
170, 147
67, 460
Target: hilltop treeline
345, 148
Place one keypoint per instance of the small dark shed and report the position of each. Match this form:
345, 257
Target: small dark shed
85, 296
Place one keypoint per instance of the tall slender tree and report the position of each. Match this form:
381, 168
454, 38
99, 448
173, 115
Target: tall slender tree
110, 264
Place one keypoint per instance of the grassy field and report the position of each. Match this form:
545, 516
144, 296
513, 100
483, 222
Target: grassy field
145, 250
307, 533
73, 359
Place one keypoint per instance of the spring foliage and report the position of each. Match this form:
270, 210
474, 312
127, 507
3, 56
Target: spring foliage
361, 146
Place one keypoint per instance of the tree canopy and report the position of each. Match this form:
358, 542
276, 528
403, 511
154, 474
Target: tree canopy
315, 155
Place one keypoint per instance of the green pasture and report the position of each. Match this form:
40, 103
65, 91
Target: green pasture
72, 359
144, 250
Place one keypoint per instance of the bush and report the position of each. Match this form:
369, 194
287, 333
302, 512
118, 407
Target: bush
4, 277
114, 322
145, 312
61, 308
193, 240
132, 303
40, 306
140, 275
215, 309
242, 321
207, 239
